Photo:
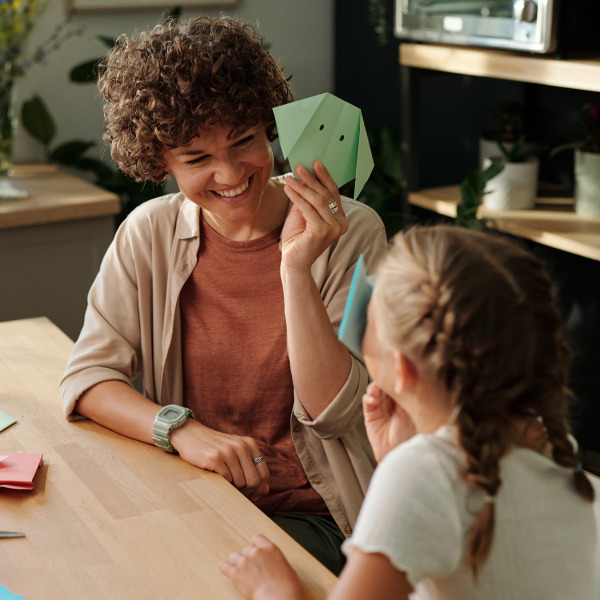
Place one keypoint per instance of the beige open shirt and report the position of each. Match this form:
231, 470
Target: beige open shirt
132, 325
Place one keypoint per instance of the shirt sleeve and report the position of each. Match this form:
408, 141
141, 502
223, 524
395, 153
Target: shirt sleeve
366, 236
410, 514
108, 347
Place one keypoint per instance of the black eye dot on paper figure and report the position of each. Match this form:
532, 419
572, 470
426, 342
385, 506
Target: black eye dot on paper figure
321, 128
342, 138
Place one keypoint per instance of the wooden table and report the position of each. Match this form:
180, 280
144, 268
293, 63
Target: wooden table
111, 517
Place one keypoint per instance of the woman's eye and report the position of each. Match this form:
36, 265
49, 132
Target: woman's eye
245, 140
195, 161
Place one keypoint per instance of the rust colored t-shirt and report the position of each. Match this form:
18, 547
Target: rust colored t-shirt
236, 370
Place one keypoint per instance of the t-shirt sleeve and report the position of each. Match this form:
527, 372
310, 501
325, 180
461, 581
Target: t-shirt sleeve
410, 514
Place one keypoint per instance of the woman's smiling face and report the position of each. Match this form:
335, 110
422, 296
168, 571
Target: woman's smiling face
224, 175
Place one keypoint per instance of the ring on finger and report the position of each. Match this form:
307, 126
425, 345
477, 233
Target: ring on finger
258, 459
333, 206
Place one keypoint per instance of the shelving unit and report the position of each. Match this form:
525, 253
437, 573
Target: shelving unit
572, 74
554, 225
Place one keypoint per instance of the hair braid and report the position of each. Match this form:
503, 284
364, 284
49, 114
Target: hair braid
476, 313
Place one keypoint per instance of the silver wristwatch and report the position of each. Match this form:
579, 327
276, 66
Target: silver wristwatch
168, 418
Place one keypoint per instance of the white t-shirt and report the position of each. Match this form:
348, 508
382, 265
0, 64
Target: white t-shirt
418, 513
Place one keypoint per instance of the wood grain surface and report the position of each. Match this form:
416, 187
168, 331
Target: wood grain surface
111, 517
579, 74
550, 223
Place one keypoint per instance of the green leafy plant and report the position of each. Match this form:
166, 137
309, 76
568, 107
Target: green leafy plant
17, 20
517, 152
472, 189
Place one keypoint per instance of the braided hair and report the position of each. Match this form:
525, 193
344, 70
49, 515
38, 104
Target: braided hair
477, 314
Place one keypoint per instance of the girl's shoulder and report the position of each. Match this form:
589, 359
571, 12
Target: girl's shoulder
426, 455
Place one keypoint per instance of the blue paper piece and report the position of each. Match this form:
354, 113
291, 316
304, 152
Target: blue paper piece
8, 595
6, 420
354, 322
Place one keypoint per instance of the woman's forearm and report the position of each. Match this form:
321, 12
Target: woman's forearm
319, 362
121, 408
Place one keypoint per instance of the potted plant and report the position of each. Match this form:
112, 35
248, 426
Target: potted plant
587, 161
507, 129
515, 188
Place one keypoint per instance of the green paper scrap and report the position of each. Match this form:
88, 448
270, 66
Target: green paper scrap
326, 128
5, 420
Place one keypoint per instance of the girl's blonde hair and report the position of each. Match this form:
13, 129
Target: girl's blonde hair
477, 313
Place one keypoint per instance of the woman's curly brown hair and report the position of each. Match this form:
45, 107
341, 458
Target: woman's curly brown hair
161, 86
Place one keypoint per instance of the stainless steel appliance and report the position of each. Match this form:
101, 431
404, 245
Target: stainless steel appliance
540, 26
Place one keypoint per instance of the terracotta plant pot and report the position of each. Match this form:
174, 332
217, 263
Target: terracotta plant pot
587, 183
514, 188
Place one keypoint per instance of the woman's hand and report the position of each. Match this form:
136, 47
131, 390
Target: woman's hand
311, 225
229, 455
261, 572
388, 425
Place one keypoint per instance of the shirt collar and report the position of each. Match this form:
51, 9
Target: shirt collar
188, 220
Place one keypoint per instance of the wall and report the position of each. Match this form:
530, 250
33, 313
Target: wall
301, 39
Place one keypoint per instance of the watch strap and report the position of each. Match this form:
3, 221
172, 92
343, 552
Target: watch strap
162, 428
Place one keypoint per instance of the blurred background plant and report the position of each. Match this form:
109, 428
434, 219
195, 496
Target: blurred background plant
471, 190
17, 19
383, 190
40, 124
381, 19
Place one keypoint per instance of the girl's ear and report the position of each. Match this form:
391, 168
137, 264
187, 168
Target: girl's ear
405, 372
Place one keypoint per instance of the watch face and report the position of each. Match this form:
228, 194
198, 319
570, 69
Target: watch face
170, 414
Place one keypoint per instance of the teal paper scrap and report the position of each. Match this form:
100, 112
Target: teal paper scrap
354, 321
5, 421
8, 595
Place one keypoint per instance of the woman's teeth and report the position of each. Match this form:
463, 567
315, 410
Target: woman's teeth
236, 192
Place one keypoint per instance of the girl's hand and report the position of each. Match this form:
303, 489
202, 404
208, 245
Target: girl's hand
261, 572
388, 425
311, 227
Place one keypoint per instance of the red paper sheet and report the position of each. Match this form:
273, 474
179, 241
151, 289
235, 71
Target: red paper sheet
17, 469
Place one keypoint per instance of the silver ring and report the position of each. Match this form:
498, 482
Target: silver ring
333, 206
258, 459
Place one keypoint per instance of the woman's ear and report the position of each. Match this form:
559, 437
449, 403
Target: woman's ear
405, 372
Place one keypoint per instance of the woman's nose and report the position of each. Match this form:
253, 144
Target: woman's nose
228, 171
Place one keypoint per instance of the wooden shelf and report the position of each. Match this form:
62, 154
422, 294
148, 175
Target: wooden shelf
574, 74
54, 196
550, 223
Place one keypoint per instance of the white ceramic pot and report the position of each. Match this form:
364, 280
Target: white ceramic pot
587, 183
514, 188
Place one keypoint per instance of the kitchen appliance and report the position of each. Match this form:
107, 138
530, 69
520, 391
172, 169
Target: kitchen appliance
541, 26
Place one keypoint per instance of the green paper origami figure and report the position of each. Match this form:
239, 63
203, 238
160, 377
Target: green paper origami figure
328, 129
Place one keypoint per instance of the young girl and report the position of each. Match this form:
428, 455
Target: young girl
479, 493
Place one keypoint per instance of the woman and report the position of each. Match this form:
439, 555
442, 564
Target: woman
227, 295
